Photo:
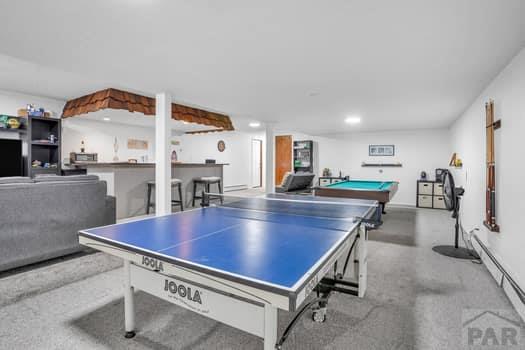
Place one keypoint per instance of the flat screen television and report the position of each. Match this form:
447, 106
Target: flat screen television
10, 157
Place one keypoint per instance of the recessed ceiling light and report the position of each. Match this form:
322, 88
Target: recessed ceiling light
255, 124
106, 119
353, 120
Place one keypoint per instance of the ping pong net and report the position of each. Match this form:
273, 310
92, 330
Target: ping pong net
303, 205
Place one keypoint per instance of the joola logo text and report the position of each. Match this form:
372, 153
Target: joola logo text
152, 263
182, 291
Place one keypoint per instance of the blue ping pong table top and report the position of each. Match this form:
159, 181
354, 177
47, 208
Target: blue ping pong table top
274, 248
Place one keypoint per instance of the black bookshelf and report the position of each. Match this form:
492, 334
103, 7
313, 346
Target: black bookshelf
41, 147
303, 156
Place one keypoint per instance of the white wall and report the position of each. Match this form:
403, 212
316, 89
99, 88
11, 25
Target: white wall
10, 102
468, 140
417, 150
238, 154
99, 137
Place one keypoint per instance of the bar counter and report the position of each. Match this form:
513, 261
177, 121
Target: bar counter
128, 182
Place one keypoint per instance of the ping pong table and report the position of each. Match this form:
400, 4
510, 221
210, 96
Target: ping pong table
241, 260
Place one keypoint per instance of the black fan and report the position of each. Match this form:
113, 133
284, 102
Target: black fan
452, 196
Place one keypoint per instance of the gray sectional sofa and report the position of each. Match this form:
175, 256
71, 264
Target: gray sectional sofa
40, 217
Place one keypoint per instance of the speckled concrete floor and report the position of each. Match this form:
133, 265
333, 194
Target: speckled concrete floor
415, 300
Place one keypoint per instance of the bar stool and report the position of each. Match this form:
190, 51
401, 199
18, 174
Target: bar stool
206, 181
174, 183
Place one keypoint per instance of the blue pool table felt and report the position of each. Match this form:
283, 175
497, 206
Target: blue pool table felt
363, 185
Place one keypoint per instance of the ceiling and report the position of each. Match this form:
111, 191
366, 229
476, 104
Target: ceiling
405, 64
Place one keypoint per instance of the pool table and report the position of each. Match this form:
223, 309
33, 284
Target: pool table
381, 191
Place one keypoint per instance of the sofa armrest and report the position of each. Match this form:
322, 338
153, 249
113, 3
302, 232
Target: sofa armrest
110, 216
280, 189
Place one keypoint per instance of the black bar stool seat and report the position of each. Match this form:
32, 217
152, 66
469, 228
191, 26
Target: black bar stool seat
206, 181
174, 183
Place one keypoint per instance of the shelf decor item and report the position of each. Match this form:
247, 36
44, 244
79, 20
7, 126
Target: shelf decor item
3, 121
381, 150
83, 158
115, 149
13, 123
221, 146
455, 161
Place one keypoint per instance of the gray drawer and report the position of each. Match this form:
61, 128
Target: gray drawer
438, 189
425, 188
324, 182
439, 202
424, 201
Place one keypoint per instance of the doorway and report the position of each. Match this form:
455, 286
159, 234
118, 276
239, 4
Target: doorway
256, 163
283, 157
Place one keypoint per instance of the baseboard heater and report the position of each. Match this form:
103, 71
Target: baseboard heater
512, 282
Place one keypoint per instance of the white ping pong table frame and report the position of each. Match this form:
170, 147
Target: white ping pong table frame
238, 301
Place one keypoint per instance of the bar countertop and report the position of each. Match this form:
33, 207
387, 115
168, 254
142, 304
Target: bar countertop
143, 165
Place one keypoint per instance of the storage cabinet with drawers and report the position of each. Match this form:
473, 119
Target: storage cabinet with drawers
430, 194
328, 180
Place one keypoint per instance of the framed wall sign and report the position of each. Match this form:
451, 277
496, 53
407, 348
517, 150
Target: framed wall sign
381, 150
137, 144
221, 146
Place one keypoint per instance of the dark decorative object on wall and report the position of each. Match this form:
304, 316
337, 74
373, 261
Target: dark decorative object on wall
221, 146
381, 150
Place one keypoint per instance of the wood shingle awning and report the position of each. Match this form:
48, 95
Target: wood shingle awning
118, 99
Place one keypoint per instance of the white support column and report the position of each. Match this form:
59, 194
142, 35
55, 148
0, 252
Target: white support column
270, 158
162, 154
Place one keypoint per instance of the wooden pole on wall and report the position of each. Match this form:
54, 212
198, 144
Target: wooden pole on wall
490, 207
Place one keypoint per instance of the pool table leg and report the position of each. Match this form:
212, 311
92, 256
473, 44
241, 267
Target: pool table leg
378, 221
382, 205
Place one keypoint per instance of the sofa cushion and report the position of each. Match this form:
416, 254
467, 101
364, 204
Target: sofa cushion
15, 180
301, 181
56, 178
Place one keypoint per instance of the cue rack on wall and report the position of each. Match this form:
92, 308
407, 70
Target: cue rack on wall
490, 210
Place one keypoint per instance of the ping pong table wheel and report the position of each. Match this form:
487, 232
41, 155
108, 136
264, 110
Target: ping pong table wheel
319, 315
129, 335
